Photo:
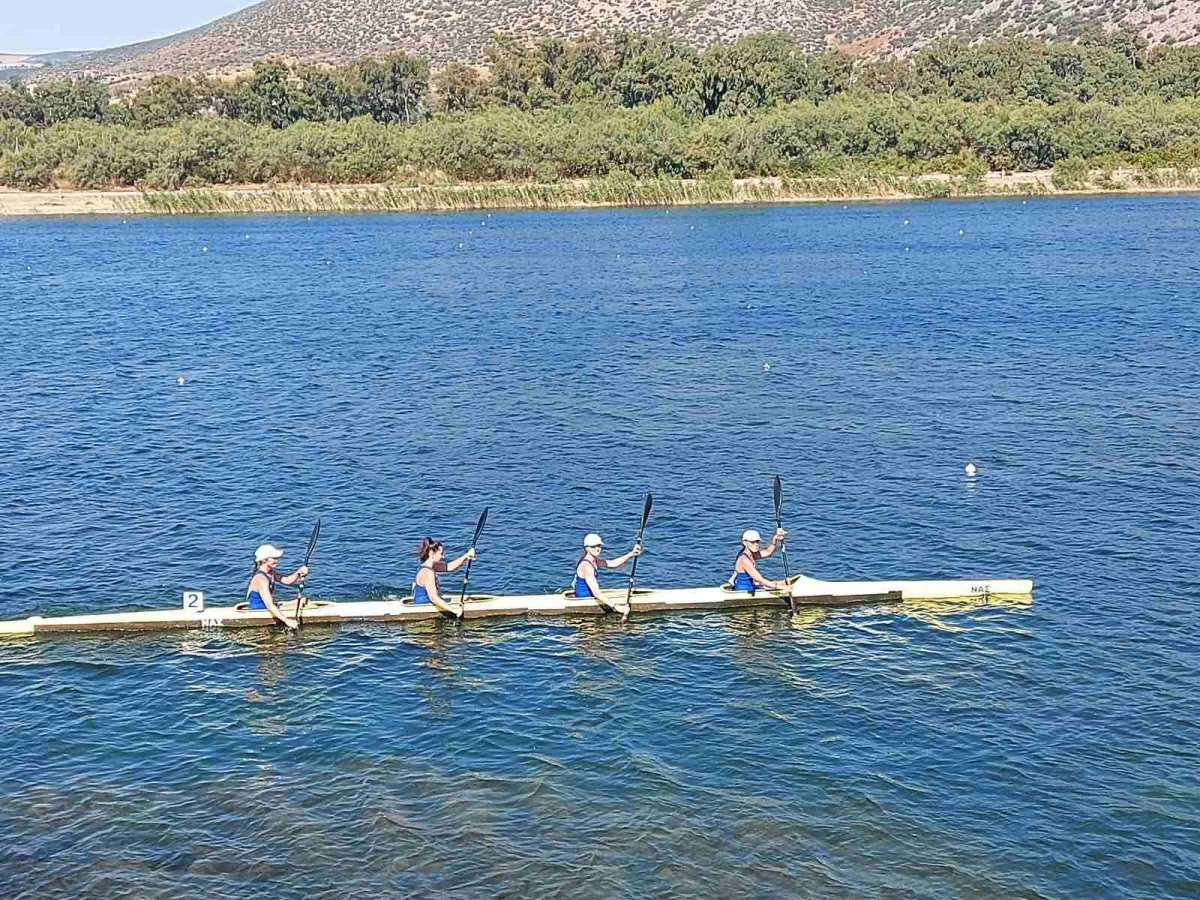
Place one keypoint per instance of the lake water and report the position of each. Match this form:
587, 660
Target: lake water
396, 374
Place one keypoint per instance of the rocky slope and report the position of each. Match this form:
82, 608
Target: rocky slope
339, 30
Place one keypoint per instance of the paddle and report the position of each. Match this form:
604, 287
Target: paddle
641, 531
462, 598
787, 573
312, 544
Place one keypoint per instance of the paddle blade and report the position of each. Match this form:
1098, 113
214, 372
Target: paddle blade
312, 542
778, 501
479, 527
646, 512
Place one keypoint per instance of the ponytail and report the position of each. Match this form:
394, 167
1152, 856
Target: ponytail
428, 547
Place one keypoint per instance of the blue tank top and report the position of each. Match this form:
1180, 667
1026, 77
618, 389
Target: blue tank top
419, 594
254, 600
580, 586
741, 580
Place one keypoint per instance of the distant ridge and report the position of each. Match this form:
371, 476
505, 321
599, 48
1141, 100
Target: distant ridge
340, 30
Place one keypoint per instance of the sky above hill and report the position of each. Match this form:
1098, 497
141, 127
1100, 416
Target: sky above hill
88, 25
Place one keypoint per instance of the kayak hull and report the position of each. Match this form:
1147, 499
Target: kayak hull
805, 592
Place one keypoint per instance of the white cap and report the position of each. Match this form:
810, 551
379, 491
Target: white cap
593, 540
751, 535
267, 551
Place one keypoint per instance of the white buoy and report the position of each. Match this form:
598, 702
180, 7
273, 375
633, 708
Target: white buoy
180, 381
460, 246
766, 367
205, 249
960, 231
691, 227
970, 470
906, 221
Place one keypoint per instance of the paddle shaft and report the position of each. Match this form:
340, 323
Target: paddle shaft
787, 572
462, 598
641, 531
312, 545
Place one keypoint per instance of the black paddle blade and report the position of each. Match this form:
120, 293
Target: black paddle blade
479, 527
646, 512
312, 542
778, 501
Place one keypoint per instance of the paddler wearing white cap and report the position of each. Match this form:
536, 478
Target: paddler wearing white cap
585, 583
746, 576
260, 591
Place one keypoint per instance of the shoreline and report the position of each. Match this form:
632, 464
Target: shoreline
583, 193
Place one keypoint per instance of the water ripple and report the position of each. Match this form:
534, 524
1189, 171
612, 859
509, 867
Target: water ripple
927, 750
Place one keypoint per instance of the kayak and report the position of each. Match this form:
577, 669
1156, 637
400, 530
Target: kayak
804, 592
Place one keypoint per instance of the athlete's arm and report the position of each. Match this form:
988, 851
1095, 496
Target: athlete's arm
427, 580
262, 584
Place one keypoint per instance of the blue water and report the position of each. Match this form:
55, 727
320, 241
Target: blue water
394, 375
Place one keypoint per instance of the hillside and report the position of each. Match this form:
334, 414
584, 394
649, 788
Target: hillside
338, 30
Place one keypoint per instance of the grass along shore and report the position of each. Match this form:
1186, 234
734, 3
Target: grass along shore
621, 191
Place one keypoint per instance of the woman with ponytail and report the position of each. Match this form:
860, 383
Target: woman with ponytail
424, 587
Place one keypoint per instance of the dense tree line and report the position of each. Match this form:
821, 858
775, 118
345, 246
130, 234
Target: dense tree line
753, 73
634, 105
393, 90
588, 139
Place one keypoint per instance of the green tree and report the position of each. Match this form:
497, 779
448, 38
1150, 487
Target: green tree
459, 87
18, 103
166, 99
324, 95
61, 101
1173, 72
649, 69
265, 97
393, 89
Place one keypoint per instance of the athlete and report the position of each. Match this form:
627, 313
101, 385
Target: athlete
424, 587
585, 583
746, 576
260, 593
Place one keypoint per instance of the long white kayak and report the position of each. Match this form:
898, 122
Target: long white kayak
805, 592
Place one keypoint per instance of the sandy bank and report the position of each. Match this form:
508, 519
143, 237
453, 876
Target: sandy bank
582, 193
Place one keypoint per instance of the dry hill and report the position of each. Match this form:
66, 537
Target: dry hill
338, 30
